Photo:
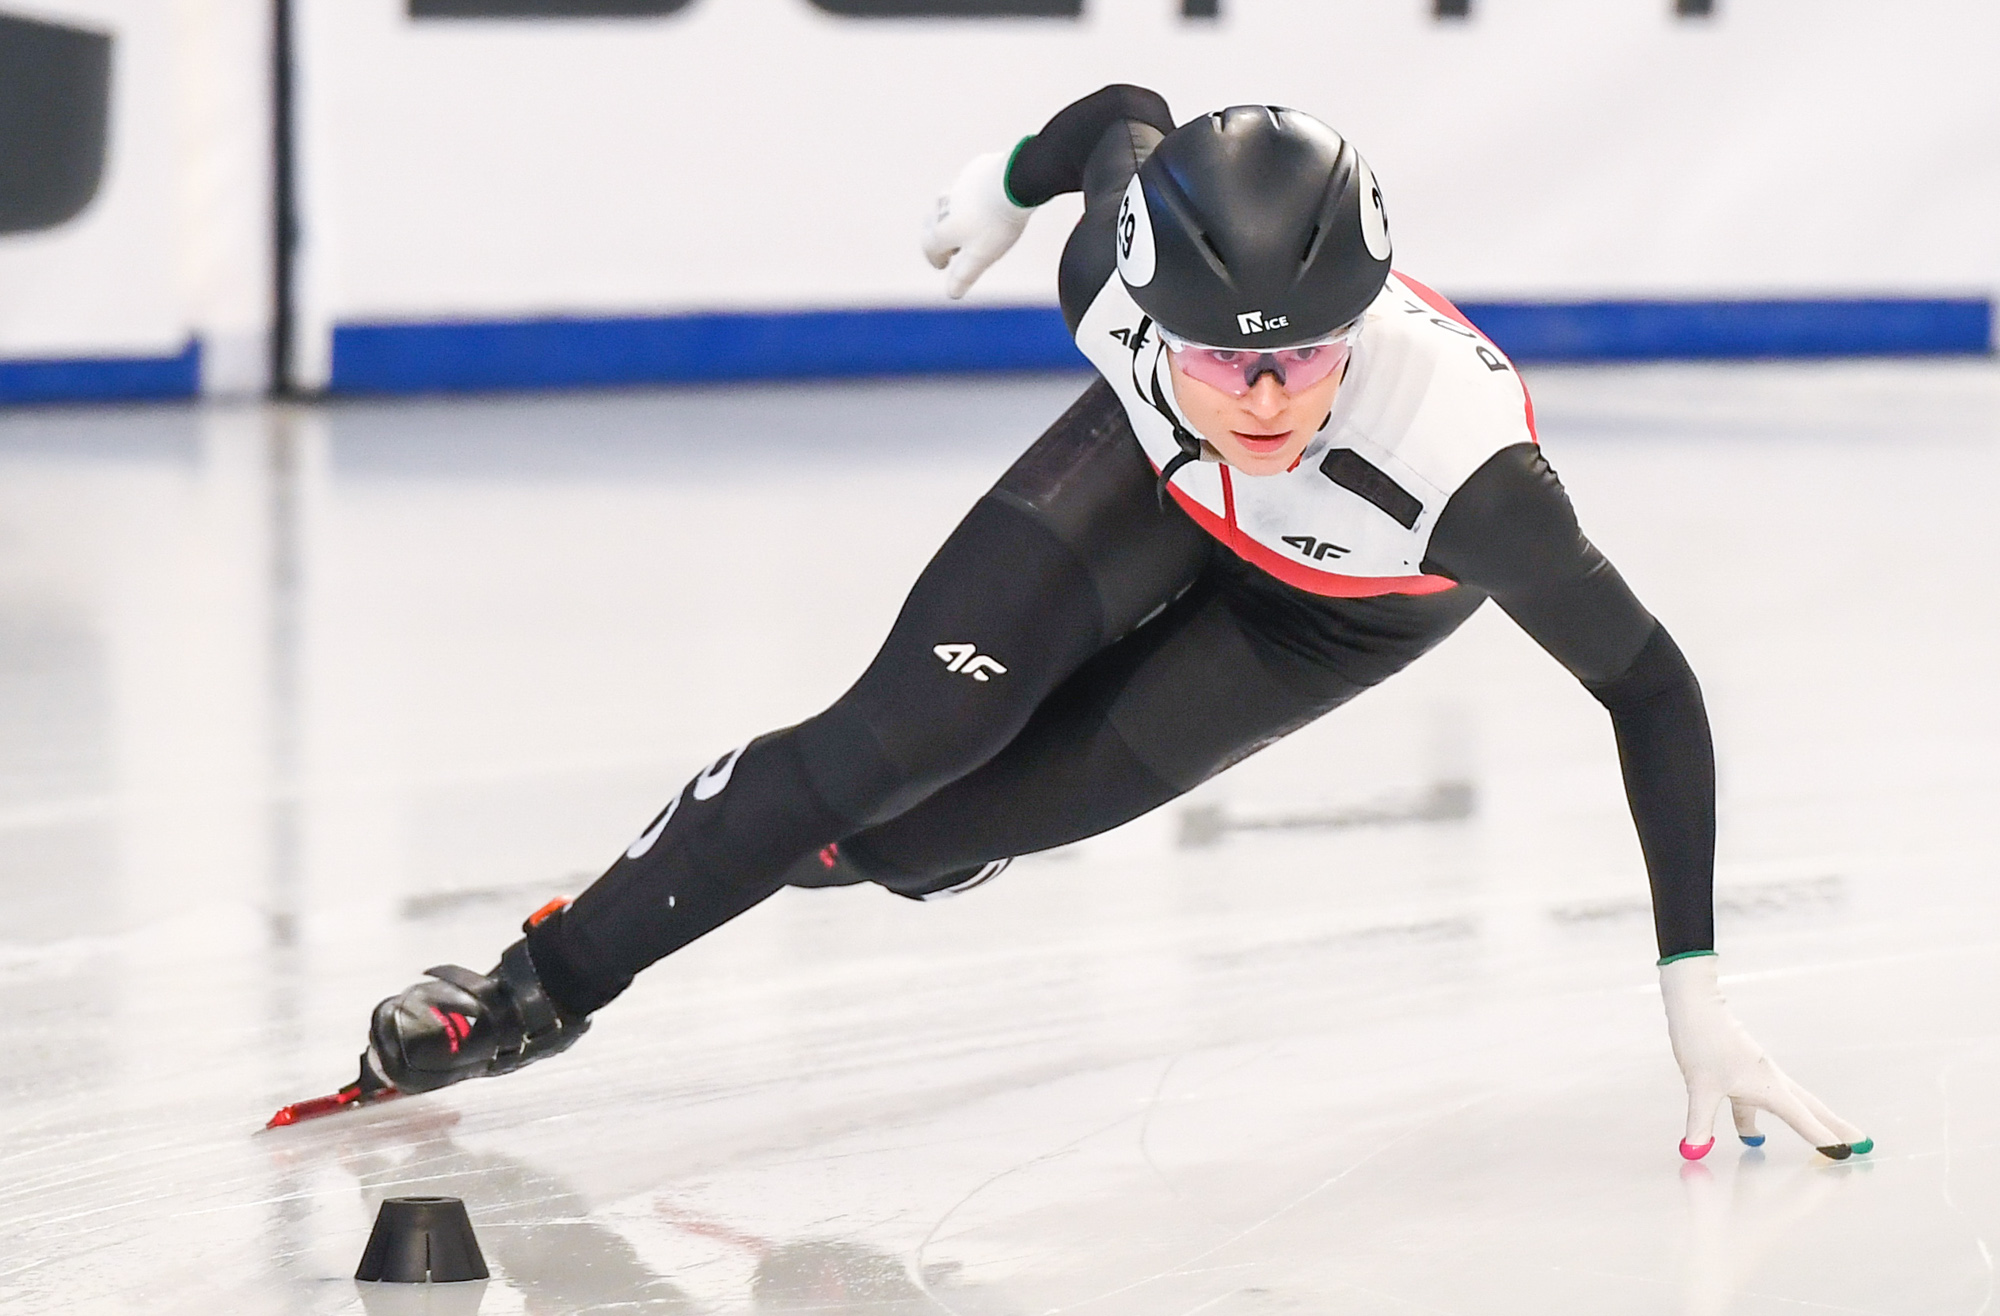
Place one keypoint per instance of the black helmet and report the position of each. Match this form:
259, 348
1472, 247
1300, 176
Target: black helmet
1255, 226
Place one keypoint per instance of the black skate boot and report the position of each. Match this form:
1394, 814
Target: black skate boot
457, 1026
464, 1025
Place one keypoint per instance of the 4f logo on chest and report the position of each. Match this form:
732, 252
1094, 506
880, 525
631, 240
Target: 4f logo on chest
966, 660
1316, 550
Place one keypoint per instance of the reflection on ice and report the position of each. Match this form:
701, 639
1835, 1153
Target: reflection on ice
461, 1299
1739, 1212
1443, 801
535, 1229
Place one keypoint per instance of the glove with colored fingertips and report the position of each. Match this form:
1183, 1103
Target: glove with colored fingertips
1721, 1061
974, 223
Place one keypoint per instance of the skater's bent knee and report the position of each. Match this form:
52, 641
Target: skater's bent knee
852, 863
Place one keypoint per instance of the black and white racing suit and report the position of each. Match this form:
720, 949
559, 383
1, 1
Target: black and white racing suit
1082, 650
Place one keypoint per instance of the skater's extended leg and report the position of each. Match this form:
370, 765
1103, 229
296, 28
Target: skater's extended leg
1070, 550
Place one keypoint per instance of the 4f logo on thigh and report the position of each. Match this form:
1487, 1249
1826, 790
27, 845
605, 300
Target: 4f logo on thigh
966, 660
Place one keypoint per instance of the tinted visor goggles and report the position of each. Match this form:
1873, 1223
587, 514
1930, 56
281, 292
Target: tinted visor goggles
1236, 370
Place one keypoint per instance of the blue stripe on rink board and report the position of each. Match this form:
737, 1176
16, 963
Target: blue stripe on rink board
95, 379
568, 351
698, 348
565, 351
1711, 330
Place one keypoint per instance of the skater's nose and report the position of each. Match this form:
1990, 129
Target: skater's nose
1266, 399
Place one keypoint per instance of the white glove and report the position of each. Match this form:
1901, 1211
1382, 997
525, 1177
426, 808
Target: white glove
1719, 1059
974, 223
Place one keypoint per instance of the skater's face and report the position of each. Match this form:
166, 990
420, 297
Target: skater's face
1263, 431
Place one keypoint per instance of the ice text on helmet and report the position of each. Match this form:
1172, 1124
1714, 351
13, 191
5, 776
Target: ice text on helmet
1253, 322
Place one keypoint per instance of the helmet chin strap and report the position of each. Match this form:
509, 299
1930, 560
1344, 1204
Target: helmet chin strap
1186, 440
1181, 459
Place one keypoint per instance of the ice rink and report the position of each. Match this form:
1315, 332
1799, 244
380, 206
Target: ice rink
297, 702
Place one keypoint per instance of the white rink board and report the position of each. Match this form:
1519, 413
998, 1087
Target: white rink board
297, 703
765, 154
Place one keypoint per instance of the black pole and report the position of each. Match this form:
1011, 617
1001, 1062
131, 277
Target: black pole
284, 197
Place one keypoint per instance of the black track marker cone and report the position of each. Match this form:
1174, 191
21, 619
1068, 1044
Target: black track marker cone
422, 1238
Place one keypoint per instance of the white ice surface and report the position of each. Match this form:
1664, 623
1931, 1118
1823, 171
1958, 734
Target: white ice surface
294, 704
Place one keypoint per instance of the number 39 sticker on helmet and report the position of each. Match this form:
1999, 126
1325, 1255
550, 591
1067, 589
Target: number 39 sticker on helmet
1135, 237
1374, 219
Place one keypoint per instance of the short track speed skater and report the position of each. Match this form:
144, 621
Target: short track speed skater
1298, 471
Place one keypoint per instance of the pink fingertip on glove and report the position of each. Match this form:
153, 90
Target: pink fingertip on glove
1694, 1151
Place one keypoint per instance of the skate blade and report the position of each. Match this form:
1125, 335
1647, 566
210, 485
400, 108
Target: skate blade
350, 1097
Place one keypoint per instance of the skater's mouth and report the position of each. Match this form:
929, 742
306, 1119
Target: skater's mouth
1262, 443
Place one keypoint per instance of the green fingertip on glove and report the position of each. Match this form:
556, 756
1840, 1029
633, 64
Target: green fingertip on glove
1684, 955
1863, 1147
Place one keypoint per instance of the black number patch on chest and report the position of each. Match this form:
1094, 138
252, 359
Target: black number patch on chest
1361, 477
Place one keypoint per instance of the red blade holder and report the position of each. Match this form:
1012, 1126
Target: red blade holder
348, 1098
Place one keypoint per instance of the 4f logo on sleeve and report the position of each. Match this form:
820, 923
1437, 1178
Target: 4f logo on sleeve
966, 660
1253, 322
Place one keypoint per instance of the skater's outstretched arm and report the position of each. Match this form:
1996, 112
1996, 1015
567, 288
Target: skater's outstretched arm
1094, 146
1511, 531
1054, 160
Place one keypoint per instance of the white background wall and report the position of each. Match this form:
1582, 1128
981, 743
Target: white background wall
176, 244
763, 153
